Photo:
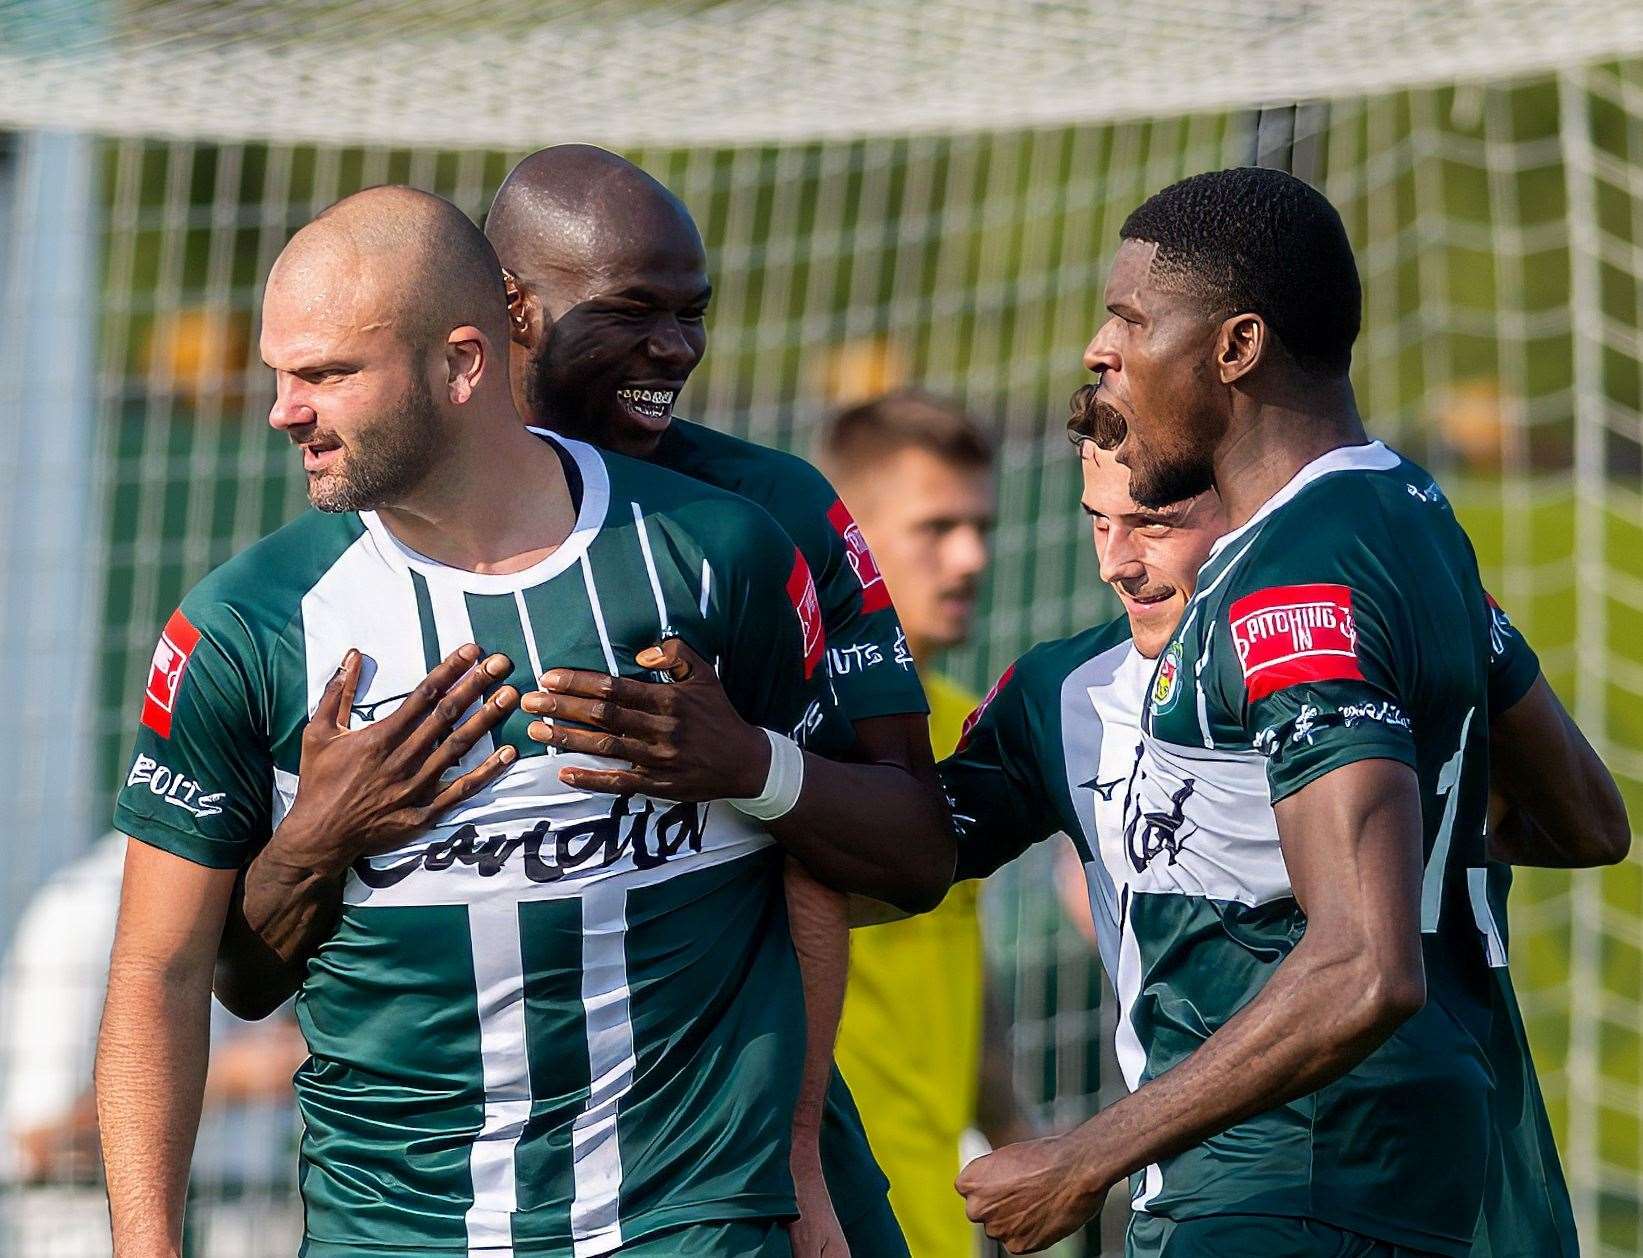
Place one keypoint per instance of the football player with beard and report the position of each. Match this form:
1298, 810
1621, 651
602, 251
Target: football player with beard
607, 285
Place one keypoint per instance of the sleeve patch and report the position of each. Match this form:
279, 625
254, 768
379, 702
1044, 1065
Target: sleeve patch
801, 592
1292, 634
971, 721
875, 595
165, 672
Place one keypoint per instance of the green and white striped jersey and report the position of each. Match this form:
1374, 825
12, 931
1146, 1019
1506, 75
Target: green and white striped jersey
555, 1021
872, 668
1187, 887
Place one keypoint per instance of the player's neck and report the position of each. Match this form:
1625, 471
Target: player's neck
498, 503
1273, 438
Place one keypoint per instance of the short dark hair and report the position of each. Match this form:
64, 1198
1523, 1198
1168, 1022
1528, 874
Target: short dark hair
1089, 419
860, 436
1261, 241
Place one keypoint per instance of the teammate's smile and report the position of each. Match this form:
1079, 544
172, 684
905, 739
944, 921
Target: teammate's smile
653, 403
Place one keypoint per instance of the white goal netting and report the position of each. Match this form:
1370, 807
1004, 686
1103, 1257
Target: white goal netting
891, 193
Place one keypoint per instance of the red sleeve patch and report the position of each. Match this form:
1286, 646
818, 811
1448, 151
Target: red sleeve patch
875, 595
801, 591
165, 672
1291, 634
974, 719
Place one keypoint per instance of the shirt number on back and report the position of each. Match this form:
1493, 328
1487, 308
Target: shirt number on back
1448, 785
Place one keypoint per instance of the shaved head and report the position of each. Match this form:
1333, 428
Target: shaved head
607, 284
382, 320
416, 259
583, 210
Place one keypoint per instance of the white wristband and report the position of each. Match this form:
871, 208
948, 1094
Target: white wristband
781, 785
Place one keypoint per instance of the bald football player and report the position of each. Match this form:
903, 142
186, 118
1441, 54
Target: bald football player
606, 280
546, 1015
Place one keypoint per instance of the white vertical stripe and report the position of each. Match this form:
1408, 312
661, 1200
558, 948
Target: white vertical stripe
454, 629
362, 602
499, 981
595, 1213
530, 634
1132, 1058
598, 616
285, 793
1198, 688
650, 569
1477, 884
1101, 698
707, 586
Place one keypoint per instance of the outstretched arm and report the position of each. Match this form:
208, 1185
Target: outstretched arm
1352, 844
360, 791
153, 1046
1562, 805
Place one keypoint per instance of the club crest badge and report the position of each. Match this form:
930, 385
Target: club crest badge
1166, 683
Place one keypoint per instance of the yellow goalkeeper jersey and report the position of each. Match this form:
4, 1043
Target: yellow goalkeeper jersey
910, 1039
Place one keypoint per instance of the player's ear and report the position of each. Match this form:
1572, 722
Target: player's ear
1241, 344
467, 358
525, 322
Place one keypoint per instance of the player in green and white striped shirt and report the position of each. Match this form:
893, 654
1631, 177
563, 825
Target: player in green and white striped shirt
607, 283
551, 1019
1055, 743
1306, 934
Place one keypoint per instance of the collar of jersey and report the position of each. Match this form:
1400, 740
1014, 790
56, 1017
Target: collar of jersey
1370, 457
589, 520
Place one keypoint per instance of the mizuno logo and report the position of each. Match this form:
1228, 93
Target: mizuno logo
1103, 789
369, 712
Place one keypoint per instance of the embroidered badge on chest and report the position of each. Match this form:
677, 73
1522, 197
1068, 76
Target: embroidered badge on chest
1166, 684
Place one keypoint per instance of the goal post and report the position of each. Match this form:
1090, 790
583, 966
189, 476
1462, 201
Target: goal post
929, 194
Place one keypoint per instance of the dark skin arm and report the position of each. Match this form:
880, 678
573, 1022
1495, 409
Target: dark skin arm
361, 791
287, 902
1562, 807
685, 741
1352, 844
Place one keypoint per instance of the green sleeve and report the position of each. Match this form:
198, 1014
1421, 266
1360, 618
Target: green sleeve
867, 650
200, 783
998, 799
1315, 667
775, 665
1513, 664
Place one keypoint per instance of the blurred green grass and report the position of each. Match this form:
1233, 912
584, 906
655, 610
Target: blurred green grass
1527, 537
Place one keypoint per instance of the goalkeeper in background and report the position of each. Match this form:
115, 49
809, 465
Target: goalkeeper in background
918, 473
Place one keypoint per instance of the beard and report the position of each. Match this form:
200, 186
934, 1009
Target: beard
1162, 475
386, 460
1157, 481
557, 400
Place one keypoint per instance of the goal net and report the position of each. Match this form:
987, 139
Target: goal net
891, 194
